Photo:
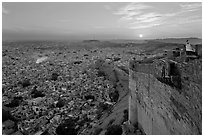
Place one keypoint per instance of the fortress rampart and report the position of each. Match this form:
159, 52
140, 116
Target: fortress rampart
166, 96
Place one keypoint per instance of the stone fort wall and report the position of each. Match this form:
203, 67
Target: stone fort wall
160, 108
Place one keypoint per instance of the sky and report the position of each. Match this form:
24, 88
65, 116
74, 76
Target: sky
111, 20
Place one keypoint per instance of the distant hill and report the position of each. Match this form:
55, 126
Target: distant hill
154, 46
128, 41
91, 41
180, 40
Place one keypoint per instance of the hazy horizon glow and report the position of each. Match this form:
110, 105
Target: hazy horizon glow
67, 21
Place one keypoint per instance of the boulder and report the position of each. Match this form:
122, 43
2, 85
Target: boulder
36, 93
42, 59
15, 102
60, 103
6, 114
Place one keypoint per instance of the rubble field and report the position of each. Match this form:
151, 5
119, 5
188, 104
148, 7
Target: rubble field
49, 87
70, 88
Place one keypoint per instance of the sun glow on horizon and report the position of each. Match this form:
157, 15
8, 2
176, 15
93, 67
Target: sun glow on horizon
140, 35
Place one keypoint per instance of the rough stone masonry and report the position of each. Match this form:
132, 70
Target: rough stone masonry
158, 105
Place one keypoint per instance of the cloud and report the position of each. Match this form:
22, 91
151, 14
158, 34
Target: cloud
131, 9
190, 6
190, 19
142, 15
144, 26
5, 11
134, 14
149, 17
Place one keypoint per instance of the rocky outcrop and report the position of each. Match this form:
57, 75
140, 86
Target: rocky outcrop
158, 105
114, 74
117, 113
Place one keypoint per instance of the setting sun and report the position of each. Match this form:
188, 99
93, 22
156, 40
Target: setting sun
140, 35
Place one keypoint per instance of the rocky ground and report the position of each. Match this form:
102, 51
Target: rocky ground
48, 87
69, 87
